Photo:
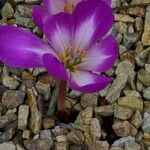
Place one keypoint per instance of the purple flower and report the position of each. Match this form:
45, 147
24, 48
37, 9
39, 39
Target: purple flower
52, 7
72, 54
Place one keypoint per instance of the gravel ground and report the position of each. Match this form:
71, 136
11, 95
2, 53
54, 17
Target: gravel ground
117, 118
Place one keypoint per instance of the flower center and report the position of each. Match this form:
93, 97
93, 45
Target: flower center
69, 7
72, 58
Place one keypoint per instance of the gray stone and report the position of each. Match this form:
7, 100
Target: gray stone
146, 123
123, 113
89, 100
123, 141
121, 27
132, 146
7, 119
116, 3
132, 93
10, 82
38, 71
32, 1
127, 68
18, 1
136, 2
12, 98
61, 146
131, 102
99, 145
147, 67
26, 134
146, 34
7, 11
116, 88
130, 39
23, 116
116, 148
146, 93
138, 24
123, 18
7, 146
44, 89
107, 110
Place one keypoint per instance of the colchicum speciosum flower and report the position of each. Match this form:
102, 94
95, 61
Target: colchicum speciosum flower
52, 7
73, 54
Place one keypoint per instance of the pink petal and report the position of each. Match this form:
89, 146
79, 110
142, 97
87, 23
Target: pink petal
19, 48
39, 15
108, 2
54, 67
101, 57
84, 81
93, 19
59, 31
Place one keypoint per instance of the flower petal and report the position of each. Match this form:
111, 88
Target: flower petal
54, 6
108, 2
39, 15
54, 67
94, 24
101, 57
19, 48
88, 82
59, 31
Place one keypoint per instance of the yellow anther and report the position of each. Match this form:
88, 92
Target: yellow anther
69, 7
74, 68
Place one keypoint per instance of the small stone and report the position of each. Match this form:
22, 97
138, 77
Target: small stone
121, 27
103, 92
123, 18
130, 39
123, 113
7, 11
132, 146
147, 67
95, 129
76, 137
61, 146
18, 1
45, 134
10, 82
7, 119
48, 122
61, 138
132, 93
138, 24
146, 123
44, 89
127, 68
7, 135
107, 110
38, 71
32, 1
116, 148
137, 119
136, 2
11, 111
23, 117
137, 11
144, 77
26, 134
84, 117
131, 102
89, 100
116, 3
7, 146
123, 141
35, 121
74, 94
19, 147
99, 145
116, 88
12, 98
146, 93
59, 131
122, 128
146, 34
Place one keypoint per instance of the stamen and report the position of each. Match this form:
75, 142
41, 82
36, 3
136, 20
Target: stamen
69, 7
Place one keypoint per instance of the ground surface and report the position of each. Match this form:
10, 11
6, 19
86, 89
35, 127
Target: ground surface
117, 118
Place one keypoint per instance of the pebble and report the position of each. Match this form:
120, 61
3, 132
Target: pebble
76, 137
23, 117
127, 68
74, 94
116, 88
26, 134
84, 116
133, 146
123, 18
89, 100
137, 120
123, 113
138, 24
7, 11
32, 1
48, 122
107, 110
137, 11
44, 89
146, 123
99, 145
116, 148
144, 77
18, 1
132, 93
7, 146
10, 82
123, 141
131, 102
12, 98
38, 71
95, 129
115, 3
61, 146
7, 119
146, 34
136, 2
146, 93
